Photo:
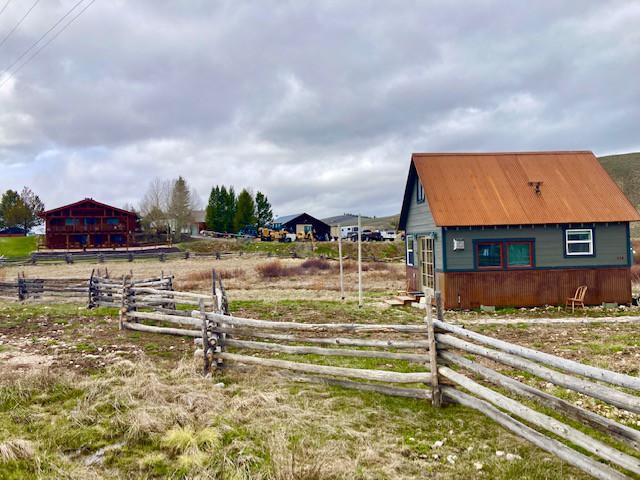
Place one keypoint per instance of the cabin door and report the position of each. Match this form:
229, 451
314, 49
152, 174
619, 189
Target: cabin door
427, 265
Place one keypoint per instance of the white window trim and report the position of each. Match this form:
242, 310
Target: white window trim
410, 241
568, 242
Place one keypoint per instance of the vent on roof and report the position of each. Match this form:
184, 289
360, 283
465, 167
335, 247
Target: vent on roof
537, 187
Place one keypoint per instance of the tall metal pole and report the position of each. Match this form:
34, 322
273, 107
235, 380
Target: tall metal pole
359, 262
340, 259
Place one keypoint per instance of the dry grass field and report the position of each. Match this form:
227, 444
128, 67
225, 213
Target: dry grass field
80, 399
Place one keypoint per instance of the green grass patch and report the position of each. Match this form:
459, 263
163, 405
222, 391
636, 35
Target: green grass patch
18, 246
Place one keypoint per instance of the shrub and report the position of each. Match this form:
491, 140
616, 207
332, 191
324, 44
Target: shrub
316, 264
276, 269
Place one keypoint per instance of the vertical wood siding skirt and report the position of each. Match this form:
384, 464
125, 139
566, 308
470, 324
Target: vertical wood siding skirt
531, 288
413, 279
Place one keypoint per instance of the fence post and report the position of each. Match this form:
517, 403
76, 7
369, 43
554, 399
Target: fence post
436, 390
123, 303
205, 339
91, 288
22, 288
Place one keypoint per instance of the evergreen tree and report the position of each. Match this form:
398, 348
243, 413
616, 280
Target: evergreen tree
229, 206
264, 214
213, 212
245, 211
20, 210
180, 206
9, 200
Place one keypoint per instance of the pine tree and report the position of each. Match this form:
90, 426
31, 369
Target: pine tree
213, 215
20, 210
245, 212
180, 206
229, 206
264, 214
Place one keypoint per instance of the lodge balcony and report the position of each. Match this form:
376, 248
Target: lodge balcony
95, 228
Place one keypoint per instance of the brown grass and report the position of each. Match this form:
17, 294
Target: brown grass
276, 269
17, 449
316, 264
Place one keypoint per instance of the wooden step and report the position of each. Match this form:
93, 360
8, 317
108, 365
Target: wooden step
394, 303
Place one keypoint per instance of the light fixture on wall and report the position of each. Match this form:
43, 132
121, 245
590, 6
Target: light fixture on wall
537, 187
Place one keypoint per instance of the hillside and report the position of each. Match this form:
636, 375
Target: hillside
625, 171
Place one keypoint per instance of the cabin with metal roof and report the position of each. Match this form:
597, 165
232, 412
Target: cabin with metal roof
516, 229
302, 223
88, 224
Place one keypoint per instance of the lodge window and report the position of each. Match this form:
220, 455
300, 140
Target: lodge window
504, 254
419, 191
579, 241
410, 256
112, 221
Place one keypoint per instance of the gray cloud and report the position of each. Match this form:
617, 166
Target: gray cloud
317, 104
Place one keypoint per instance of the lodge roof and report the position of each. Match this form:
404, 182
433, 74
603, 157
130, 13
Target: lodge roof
518, 188
87, 202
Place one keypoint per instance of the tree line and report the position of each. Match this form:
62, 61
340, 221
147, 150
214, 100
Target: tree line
20, 210
171, 205
227, 212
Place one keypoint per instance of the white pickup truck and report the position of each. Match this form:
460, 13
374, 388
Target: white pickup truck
388, 235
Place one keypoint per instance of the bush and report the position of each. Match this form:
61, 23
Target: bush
276, 269
316, 264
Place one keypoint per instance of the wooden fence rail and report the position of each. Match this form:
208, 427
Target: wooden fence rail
434, 350
439, 351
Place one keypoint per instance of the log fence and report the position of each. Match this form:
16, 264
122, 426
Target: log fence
601, 446
142, 255
436, 361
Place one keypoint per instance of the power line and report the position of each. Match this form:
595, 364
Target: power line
18, 24
38, 41
50, 40
5, 6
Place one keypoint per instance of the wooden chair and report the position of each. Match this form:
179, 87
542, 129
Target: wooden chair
578, 298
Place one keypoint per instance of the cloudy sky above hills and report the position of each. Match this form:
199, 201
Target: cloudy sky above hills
317, 104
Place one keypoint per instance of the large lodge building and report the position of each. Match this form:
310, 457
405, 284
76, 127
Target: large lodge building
88, 224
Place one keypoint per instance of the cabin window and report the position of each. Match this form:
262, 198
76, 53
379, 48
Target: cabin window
519, 254
112, 221
504, 254
579, 241
410, 257
489, 254
90, 221
419, 191
71, 221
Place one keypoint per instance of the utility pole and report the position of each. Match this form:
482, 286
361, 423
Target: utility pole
340, 259
359, 262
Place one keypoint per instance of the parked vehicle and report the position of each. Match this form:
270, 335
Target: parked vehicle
248, 232
388, 235
269, 235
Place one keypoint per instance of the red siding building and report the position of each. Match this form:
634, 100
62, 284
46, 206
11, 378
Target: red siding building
88, 224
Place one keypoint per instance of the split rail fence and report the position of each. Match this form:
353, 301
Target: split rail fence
441, 371
437, 361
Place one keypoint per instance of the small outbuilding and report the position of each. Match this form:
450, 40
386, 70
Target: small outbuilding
302, 223
88, 224
516, 229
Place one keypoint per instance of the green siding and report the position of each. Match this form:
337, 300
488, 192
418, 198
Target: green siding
420, 221
610, 245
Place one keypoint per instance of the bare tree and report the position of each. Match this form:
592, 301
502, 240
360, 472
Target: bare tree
154, 205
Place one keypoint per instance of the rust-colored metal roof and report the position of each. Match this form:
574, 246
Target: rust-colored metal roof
470, 189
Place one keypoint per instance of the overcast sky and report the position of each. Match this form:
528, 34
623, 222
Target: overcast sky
317, 104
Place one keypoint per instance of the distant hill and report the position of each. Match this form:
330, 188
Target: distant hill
625, 171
